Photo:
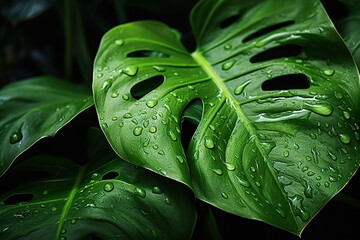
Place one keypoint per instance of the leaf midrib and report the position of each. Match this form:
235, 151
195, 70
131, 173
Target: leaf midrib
68, 202
206, 66
198, 57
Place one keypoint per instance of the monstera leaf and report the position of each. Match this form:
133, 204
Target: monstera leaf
107, 198
35, 108
278, 134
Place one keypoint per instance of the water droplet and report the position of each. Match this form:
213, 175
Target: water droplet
225, 195
180, 159
114, 118
218, 171
321, 109
332, 155
53, 209
230, 166
125, 97
108, 187
73, 221
100, 75
161, 152
209, 143
357, 136
299, 208
228, 65
106, 85
346, 114
130, 70
172, 135
227, 47
140, 192
157, 190
151, 103
119, 42
241, 88
153, 129
16, 137
344, 138
159, 69
167, 201
338, 95
286, 153
127, 115
137, 131
114, 95
329, 72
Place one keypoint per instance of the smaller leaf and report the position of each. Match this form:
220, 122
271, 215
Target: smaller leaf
33, 109
107, 198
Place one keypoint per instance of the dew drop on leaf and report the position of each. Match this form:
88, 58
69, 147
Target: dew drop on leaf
230, 166
130, 70
128, 115
119, 42
172, 135
180, 159
321, 109
125, 97
137, 131
280, 212
106, 85
344, 138
151, 103
16, 137
225, 195
329, 72
115, 95
73, 221
228, 65
108, 187
218, 171
159, 69
346, 114
241, 88
157, 190
153, 129
227, 47
140, 192
209, 143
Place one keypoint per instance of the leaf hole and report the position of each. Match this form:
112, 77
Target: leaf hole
147, 54
110, 175
18, 198
144, 87
190, 120
286, 82
229, 21
289, 50
268, 29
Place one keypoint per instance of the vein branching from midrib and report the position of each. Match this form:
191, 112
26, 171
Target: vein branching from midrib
68, 202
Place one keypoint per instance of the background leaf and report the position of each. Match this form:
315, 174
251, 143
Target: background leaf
106, 198
278, 136
35, 108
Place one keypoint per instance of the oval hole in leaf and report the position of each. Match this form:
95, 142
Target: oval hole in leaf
17, 198
147, 54
267, 30
190, 120
289, 50
286, 82
110, 175
144, 87
227, 22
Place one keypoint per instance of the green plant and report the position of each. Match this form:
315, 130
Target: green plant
259, 119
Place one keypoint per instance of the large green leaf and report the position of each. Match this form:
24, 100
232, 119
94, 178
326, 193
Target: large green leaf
35, 108
279, 131
105, 199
